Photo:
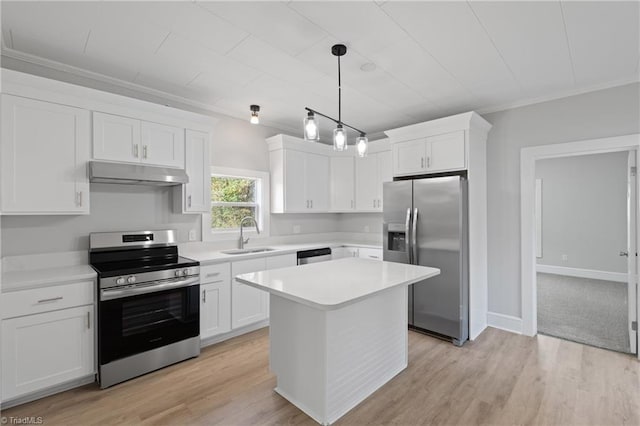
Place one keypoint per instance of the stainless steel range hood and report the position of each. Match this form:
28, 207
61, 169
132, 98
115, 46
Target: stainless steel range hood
135, 174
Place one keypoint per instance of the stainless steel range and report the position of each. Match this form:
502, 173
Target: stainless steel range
149, 307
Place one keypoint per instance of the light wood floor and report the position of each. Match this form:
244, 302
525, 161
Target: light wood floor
501, 378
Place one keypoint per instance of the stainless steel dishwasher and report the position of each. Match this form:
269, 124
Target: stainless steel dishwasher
313, 256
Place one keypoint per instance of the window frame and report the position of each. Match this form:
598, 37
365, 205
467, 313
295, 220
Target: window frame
261, 203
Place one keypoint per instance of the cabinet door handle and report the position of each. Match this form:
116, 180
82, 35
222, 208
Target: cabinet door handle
351, 203
145, 151
53, 299
428, 162
212, 274
373, 257
189, 201
422, 162
135, 150
204, 296
311, 201
89, 320
79, 198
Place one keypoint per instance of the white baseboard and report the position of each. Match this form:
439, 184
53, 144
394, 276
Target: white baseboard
583, 273
233, 333
505, 322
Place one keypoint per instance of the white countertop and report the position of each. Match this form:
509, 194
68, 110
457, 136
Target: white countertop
212, 256
35, 278
43, 270
331, 285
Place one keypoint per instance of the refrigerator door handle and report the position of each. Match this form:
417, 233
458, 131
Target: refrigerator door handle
407, 226
414, 237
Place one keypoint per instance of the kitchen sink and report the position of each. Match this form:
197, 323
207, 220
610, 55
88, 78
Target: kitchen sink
246, 251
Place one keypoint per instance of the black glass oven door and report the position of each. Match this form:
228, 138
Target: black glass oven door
136, 324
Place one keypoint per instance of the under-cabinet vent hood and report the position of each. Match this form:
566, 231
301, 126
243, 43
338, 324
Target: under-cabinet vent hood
135, 174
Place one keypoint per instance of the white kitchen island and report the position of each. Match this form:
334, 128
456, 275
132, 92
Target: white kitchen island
338, 330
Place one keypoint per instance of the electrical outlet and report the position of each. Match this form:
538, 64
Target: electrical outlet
296, 229
565, 257
366, 228
192, 235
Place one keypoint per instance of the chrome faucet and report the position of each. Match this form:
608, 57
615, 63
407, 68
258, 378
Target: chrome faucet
242, 241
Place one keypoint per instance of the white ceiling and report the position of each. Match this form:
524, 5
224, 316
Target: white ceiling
433, 58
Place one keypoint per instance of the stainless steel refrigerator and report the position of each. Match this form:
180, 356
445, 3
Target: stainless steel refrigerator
426, 223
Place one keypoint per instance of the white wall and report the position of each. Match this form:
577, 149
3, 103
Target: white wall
113, 208
370, 223
604, 113
584, 211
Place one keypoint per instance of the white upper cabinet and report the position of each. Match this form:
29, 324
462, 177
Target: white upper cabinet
294, 175
125, 139
162, 145
409, 157
44, 152
446, 152
195, 196
366, 183
299, 181
431, 154
371, 172
116, 138
317, 181
312, 178
342, 184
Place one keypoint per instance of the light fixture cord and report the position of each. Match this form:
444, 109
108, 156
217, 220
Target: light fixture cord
339, 94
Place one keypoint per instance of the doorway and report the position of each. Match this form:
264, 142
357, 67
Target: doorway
529, 249
581, 232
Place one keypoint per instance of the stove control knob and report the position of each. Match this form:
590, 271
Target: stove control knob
185, 272
119, 280
131, 279
178, 273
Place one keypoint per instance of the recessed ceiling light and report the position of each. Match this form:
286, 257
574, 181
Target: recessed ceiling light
368, 67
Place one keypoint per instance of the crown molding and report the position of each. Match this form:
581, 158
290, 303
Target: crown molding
143, 92
559, 95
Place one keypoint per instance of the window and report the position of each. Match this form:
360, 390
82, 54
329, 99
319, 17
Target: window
236, 194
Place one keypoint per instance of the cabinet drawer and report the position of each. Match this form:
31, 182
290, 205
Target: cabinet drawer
215, 273
45, 299
370, 253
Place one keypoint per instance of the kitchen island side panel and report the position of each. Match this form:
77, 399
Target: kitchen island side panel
327, 362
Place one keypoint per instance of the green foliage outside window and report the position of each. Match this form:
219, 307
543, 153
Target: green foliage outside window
232, 199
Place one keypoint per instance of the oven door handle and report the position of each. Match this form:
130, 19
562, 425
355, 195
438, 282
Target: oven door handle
110, 294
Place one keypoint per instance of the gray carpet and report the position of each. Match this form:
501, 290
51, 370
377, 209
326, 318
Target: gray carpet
584, 310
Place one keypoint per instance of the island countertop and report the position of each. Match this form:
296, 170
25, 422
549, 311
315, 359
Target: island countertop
332, 285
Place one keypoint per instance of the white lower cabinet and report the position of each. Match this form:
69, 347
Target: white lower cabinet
282, 261
47, 349
354, 251
215, 300
248, 305
370, 253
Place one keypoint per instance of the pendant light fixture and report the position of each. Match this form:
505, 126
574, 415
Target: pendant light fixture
255, 109
340, 142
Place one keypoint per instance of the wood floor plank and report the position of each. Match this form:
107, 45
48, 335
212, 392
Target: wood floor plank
499, 379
